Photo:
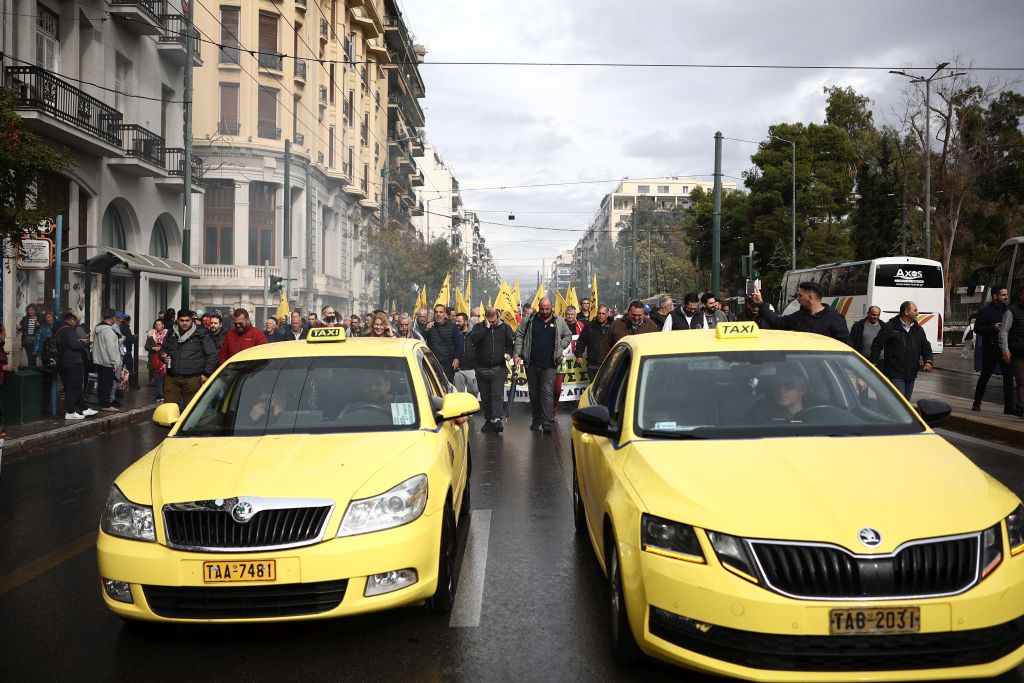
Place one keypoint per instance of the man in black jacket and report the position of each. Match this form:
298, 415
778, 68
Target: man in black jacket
191, 358
813, 315
445, 340
71, 367
492, 345
591, 341
904, 343
465, 377
686, 315
987, 327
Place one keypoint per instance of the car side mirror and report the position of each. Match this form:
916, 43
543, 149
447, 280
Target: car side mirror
594, 420
457, 404
933, 412
167, 414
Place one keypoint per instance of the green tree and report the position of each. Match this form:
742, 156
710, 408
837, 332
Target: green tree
737, 233
24, 159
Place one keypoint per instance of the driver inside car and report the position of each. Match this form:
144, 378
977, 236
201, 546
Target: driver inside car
785, 400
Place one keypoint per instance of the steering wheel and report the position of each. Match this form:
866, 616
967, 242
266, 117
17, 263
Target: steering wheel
369, 407
824, 412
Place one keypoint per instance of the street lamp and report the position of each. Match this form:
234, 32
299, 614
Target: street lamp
928, 144
793, 208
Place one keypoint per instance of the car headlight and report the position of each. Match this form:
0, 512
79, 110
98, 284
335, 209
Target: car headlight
991, 549
733, 554
1015, 530
126, 519
401, 505
672, 539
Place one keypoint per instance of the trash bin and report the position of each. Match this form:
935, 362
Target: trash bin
47, 378
22, 397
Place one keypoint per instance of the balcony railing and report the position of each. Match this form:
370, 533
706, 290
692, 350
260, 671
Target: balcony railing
269, 132
299, 139
152, 8
325, 29
40, 90
176, 30
271, 60
227, 127
300, 69
174, 162
229, 55
300, 3
142, 144
364, 133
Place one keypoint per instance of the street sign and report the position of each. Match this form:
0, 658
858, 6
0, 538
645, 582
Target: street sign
35, 254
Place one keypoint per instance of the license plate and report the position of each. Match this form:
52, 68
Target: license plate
860, 621
230, 572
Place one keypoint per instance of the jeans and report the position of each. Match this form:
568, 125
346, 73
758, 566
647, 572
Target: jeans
159, 382
465, 380
541, 382
904, 386
492, 391
105, 388
990, 358
73, 376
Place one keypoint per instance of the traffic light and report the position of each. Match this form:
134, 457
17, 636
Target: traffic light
755, 267
745, 266
276, 283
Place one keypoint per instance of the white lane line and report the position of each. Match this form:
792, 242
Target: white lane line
564, 462
954, 436
470, 596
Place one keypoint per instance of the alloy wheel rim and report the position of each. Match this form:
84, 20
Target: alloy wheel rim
616, 598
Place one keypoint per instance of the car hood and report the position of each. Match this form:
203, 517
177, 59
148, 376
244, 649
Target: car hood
331, 466
818, 489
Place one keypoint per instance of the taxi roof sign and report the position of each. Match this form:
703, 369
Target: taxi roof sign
326, 334
740, 330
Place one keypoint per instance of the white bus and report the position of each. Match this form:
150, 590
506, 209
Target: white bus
850, 287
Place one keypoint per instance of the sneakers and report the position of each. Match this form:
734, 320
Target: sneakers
88, 412
535, 426
488, 426
976, 407
498, 427
110, 409
74, 416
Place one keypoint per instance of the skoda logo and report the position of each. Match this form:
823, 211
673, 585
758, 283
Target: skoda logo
242, 512
869, 537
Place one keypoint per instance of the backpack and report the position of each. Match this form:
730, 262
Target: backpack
51, 349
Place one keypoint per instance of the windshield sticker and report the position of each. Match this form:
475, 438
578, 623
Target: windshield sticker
664, 425
402, 414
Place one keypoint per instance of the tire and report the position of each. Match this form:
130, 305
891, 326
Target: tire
624, 648
579, 513
465, 507
444, 597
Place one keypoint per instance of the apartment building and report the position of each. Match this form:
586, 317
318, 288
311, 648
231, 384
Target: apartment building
103, 80
316, 74
560, 276
667, 193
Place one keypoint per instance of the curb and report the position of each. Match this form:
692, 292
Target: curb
961, 423
25, 446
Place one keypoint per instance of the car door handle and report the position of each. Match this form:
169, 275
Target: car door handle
586, 438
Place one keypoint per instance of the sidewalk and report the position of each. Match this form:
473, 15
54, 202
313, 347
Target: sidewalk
24, 439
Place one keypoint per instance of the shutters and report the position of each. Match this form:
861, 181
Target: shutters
267, 113
228, 124
268, 32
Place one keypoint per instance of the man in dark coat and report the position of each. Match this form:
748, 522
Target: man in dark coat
863, 332
685, 316
634, 322
813, 316
71, 355
191, 358
591, 340
445, 340
987, 327
905, 345
492, 344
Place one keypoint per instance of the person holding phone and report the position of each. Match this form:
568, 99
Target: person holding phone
492, 344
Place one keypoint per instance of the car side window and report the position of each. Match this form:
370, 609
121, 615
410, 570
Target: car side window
602, 383
439, 372
617, 395
433, 386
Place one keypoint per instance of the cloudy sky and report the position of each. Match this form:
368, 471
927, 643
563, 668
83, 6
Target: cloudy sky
514, 125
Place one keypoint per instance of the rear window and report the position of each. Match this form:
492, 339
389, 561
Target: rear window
908, 275
307, 396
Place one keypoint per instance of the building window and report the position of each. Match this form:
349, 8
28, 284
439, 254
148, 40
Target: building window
331, 86
113, 234
267, 114
122, 81
330, 147
262, 212
643, 189
228, 124
269, 58
351, 105
295, 120
662, 189
158, 241
686, 189
219, 222
229, 52
47, 38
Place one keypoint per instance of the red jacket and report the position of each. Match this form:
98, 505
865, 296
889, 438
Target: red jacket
235, 341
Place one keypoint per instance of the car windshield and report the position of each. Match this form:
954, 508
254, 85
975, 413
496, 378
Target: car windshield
766, 394
305, 395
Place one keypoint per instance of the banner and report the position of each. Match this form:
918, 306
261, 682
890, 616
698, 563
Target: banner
574, 383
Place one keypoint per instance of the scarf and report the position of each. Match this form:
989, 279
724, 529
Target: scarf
184, 336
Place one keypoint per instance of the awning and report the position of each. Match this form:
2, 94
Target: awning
108, 257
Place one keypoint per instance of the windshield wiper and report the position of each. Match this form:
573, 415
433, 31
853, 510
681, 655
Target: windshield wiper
665, 434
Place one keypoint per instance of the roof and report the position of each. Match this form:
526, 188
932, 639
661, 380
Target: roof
704, 341
108, 257
353, 346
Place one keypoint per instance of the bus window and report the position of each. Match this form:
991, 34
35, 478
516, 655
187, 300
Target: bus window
824, 278
1001, 268
792, 282
857, 279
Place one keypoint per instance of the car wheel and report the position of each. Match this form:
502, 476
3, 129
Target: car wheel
624, 647
444, 597
579, 515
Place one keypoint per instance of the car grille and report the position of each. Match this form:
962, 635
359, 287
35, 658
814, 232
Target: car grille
245, 602
902, 652
204, 529
931, 568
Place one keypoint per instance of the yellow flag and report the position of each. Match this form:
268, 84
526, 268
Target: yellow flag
517, 296
444, 295
482, 309
593, 297
559, 304
570, 298
282, 308
538, 296
461, 305
469, 290
503, 302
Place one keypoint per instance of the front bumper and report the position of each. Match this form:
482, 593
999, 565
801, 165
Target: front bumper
319, 581
703, 617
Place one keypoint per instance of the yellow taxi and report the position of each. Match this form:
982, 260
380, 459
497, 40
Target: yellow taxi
307, 479
766, 506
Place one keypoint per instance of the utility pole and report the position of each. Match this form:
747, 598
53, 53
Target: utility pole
288, 217
649, 292
716, 216
186, 229
633, 283
385, 172
266, 290
310, 241
903, 220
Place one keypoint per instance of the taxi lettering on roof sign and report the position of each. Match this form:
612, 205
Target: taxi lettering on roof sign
737, 330
326, 334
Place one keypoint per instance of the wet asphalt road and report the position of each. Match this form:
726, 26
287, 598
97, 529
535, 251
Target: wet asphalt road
542, 618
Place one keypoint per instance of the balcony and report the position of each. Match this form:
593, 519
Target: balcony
138, 16
369, 22
144, 152
227, 127
416, 179
323, 95
299, 139
300, 70
233, 277
271, 61
416, 142
173, 42
406, 104
174, 162
418, 209
325, 29
300, 5
268, 132
58, 110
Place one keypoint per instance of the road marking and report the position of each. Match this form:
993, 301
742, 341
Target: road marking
948, 435
38, 567
470, 596
560, 458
